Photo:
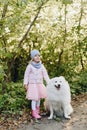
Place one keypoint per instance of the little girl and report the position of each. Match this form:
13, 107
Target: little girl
33, 82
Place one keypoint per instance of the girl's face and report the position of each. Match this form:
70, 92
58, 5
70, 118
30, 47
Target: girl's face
36, 58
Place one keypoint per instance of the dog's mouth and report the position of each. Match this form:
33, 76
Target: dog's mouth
57, 86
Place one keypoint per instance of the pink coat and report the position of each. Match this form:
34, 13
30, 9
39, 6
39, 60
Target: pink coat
34, 77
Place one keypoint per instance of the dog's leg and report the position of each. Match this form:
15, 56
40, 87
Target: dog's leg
51, 112
66, 111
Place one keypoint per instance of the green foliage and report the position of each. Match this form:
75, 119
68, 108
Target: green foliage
79, 83
13, 100
67, 2
2, 74
82, 80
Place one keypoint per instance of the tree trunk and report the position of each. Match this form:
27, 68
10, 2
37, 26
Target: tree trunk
79, 42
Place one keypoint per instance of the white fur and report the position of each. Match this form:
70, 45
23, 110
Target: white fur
59, 97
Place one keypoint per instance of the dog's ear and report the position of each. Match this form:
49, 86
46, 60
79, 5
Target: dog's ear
62, 77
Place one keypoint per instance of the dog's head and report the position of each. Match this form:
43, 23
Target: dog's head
58, 82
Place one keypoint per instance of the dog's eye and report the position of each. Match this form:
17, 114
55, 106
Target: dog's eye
60, 81
55, 81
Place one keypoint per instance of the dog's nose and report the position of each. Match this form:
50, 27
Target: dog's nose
58, 85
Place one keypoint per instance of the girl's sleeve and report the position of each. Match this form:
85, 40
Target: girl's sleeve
45, 74
26, 75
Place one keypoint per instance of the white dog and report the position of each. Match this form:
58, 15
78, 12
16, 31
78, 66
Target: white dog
59, 98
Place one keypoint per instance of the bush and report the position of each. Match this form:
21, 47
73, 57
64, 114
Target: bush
13, 100
79, 83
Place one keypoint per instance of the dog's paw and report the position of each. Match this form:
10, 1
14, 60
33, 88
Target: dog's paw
68, 117
50, 118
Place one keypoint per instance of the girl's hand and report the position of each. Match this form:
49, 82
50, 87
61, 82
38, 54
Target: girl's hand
26, 87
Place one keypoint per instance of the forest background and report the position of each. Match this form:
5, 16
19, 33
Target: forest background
58, 29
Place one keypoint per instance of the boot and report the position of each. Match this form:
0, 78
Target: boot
38, 109
35, 114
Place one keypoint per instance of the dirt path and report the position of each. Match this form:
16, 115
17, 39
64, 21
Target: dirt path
77, 122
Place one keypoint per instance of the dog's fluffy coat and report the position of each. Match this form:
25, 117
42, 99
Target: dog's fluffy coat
59, 98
